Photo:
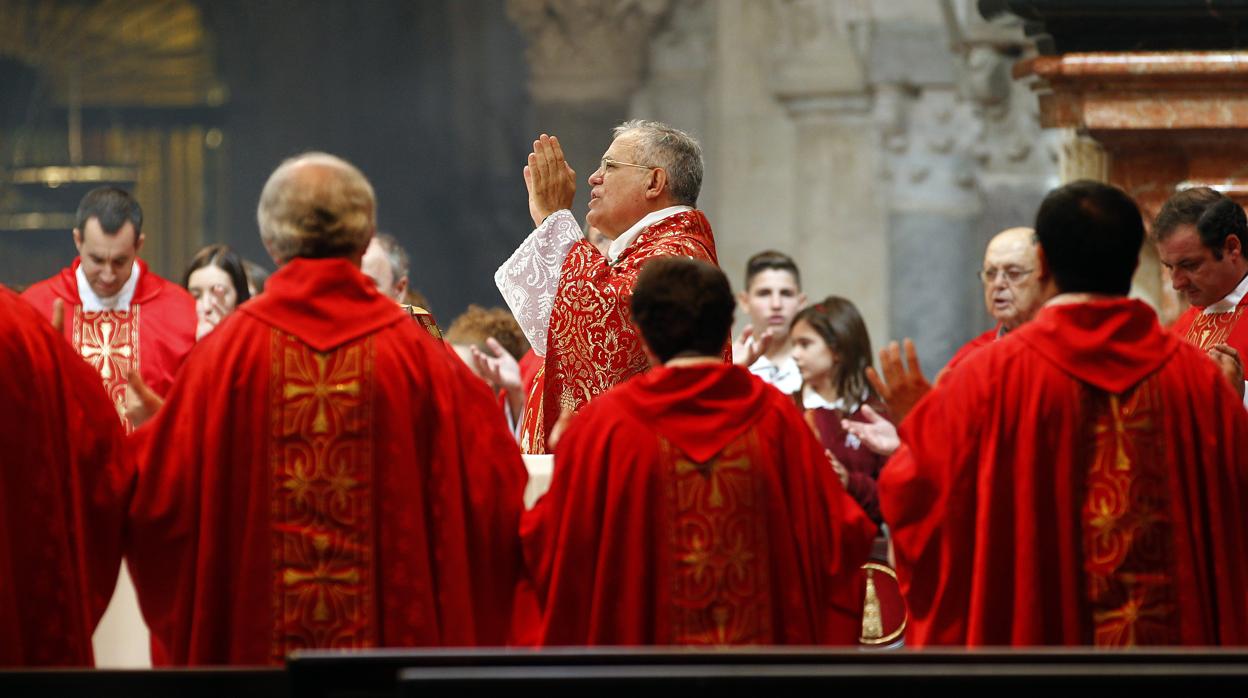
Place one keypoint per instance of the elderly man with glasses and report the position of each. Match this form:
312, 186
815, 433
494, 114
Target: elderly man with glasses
571, 300
1015, 286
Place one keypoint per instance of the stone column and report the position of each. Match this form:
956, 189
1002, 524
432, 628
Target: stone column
839, 239
586, 60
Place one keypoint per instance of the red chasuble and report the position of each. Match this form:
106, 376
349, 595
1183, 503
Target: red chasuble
1082, 482
1204, 331
64, 485
592, 344
156, 333
324, 474
694, 506
984, 339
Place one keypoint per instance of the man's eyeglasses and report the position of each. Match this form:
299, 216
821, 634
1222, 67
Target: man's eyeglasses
1012, 275
608, 163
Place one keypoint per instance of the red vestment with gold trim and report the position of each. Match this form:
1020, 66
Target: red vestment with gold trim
324, 474
156, 332
592, 343
1204, 331
65, 482
693, 505
1083, 481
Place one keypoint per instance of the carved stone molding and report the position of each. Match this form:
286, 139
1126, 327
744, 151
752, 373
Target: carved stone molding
813, 58
582, 51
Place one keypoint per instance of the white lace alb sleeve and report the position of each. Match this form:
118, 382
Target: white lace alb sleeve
530, 278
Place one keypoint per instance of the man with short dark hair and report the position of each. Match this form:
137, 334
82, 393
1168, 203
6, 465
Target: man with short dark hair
324, 474
772, 297
692, 504
1201, 236
572, 300
1082, 481
118, 315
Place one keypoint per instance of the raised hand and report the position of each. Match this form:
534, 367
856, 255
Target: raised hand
877, 433
747, 348
1227, 359
142, 402
903, 385
58, 315
550, 180
498, 368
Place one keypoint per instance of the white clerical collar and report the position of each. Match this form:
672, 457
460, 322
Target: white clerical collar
1231, 301
621, 243
812, 400
92, 303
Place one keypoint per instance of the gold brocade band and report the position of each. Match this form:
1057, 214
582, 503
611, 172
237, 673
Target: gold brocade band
321, 457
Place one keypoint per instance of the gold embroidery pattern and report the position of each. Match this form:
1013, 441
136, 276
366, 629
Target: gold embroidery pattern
593, 344
321, 464
109, 341
1127, 537
721, 591
1214, 328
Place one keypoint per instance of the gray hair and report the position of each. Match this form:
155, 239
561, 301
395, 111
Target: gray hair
316, 205
678, 153
400, 264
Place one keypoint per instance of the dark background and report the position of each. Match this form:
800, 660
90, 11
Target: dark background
429, 99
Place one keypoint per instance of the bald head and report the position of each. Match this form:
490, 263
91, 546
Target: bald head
316, 205
1015, 286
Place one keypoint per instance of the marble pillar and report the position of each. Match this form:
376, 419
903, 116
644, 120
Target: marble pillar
1166, 121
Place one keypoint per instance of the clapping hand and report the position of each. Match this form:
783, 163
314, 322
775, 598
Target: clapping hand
141, 401
551, 181
1227, 359
747, 348
877, 433
498, 367
903, 385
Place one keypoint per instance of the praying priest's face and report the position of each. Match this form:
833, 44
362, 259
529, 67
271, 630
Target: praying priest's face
1195, 271
107, 260
617, 197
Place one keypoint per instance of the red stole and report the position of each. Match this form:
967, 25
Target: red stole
592, 343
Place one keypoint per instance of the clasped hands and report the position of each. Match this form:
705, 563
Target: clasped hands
551, 181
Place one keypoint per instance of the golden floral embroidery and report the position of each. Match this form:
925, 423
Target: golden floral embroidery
109, 341
321, 461
721, 590
1126, 535
592, 343
1214, 328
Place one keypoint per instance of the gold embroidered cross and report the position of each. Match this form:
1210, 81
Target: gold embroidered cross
101, 351
322, 391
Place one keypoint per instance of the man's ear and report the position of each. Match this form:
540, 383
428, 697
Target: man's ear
743, 300
658, 183
78, 240
401, 287
801, 301
1232, 246
138, 244
1042, 265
